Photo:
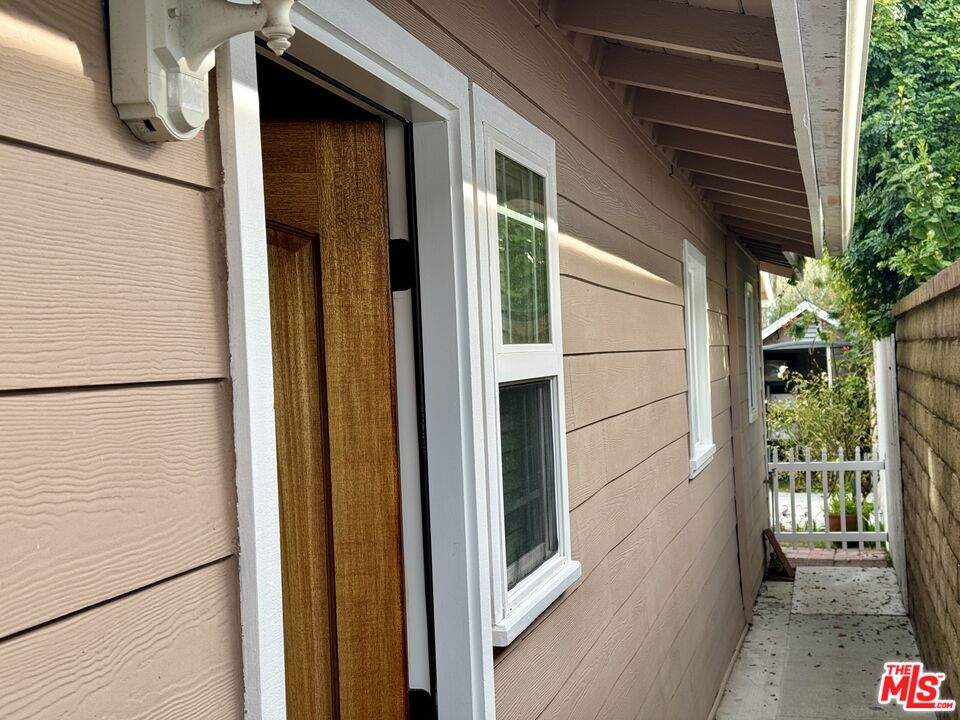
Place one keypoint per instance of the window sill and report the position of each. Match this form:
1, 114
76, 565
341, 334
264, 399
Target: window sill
520, 617
701, 460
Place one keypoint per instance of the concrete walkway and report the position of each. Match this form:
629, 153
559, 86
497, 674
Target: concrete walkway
817, 647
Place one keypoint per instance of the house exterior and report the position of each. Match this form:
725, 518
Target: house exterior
422, 380
927, 330
810, 354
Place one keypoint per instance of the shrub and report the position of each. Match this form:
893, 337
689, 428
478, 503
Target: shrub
823, 416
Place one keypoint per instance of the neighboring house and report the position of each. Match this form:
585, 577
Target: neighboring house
816, 352
258, 461
928, 377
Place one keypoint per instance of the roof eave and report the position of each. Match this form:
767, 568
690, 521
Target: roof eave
825, 46
787, 18
859, 21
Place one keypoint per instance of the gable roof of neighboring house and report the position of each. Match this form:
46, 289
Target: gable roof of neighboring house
805, 306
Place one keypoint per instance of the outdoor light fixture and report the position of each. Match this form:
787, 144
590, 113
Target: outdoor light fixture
162, 52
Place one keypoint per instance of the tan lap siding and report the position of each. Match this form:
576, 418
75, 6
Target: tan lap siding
660, 585
105, 491
107, 277
168, 651
56, 85
750, 463
117, 500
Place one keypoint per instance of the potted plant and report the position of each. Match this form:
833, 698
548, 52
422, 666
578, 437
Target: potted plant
849, 510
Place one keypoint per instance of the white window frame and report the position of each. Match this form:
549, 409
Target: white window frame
702, 447
750, 342
497, 128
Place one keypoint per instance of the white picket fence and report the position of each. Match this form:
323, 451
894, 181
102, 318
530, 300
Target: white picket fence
810, 524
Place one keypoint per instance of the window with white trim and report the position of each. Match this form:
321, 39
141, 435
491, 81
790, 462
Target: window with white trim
528, 509
702, 448
750, 341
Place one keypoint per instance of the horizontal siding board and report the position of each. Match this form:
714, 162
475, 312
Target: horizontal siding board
106, 491
719, 363
717, 297
169, 651
717, 330
106, 277
595, 251
597, 320
606, 450
639, 627
721, 436
720, 395
698, 658
749, 437
55, 91
634, 683
601, 386
643, 595
593, 186
601, 522
611, 514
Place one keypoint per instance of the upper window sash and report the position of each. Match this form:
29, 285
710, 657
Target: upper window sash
702, 448
497, 142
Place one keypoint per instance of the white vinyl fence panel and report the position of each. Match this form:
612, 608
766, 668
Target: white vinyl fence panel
802, 513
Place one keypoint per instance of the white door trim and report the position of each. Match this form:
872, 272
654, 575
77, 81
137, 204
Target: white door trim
251, 372
443, 164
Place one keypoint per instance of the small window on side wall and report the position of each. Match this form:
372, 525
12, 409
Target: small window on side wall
750, 333
528, 510
702, 448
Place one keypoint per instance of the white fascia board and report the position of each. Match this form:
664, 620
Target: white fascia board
787, 21
857, 51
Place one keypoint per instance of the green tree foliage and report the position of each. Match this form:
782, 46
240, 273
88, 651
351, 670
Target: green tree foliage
908, 205
814, 283
824, 416
821, 415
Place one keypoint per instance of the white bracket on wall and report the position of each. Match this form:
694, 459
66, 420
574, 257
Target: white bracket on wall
162, 52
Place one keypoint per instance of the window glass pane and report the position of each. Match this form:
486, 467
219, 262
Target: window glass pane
703, 369
751, 336
521, 222
529, 487
698, 356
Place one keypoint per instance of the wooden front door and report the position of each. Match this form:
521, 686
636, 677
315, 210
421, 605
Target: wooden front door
334, 388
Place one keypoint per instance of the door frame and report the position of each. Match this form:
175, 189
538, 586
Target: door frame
439, 96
